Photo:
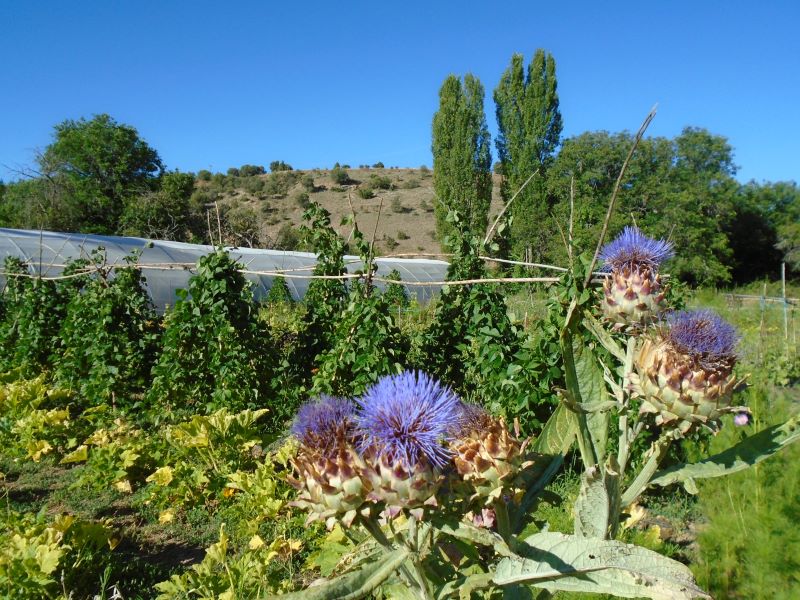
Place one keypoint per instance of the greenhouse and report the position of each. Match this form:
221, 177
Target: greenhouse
167, 266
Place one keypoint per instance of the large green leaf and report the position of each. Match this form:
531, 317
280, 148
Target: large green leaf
560, 562
592, 505
558, 434
603, 336
353, 585
743, 455
592, 391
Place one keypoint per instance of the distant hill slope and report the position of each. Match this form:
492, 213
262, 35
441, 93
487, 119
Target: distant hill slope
407, 223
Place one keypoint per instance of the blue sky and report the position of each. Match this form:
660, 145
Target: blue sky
219, 84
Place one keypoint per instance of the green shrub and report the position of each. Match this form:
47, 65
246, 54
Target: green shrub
204, 175
213, 354
251, 170
109, 337
380, 182
395, 294
366, 192
279, 291
279, 165
378, 165
288, 238
402, 235
410, 184
301, 199
339, 175
308, 183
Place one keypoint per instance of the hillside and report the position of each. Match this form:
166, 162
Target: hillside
276, 202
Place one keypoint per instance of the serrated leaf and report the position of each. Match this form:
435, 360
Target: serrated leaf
603, 336
353, 585
80, 454
743, 455
560, 562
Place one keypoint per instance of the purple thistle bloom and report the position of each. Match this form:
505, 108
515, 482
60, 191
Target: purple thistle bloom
407, 417
632, 248
702, 333
322, 421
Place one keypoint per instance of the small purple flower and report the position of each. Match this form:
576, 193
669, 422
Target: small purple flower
322, 421
741, 419
407, 417
702, 333
632, 249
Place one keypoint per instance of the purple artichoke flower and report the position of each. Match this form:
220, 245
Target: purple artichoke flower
324, 421
407, 417
686, 373
633, 295
632, 249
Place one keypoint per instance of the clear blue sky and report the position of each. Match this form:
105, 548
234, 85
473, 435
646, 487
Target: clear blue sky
217, 84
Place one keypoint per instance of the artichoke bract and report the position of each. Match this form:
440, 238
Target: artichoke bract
633, 294
403, 422
685, 372
329, 471
488, 457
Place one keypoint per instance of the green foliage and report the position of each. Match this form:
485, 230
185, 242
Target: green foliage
279, 291
529, 124
96, 166
308, 182
34, 309
278, 165
395, 294
461, 156
367, 343
339, 175
109, 336
213, 354
366, 192
749, 547
162, 214
325, 298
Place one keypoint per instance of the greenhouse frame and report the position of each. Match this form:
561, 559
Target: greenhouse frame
167, 266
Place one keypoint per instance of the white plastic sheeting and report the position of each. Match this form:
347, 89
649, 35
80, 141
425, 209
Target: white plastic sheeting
171, 262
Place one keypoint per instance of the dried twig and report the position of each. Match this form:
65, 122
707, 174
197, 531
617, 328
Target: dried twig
505, 208
651, 115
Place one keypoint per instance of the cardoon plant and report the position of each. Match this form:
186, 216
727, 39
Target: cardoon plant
435, 493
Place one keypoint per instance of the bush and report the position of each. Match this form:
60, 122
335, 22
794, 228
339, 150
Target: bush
381, 182
279, 291
390, 242
410, 184
366, 192
204, 175
340, 176
213, 353
301, 199
279, 165
378, 165
251, 170
108, 339
308, 182
288, 238
233, 172
402, 235
397, 205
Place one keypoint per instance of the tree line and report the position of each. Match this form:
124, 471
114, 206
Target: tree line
681, 188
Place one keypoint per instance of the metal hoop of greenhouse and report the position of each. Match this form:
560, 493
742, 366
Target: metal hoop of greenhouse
167, 266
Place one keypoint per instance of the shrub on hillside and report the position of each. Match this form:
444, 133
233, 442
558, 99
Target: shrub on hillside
339, 175
279, 165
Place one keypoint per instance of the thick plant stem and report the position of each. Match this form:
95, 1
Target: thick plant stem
659, 451
503, 522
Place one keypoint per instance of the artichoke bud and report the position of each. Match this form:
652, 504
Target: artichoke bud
488, 457
398, 486
685, 374
331, 484
633, 294
329, 472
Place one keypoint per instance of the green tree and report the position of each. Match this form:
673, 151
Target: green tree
162, 214
96, 166
462, 159
529, 131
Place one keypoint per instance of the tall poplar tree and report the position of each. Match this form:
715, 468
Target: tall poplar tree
529, 125
462, 158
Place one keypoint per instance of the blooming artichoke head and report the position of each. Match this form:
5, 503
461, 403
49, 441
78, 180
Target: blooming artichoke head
633, 295
685, 372
329, 471
487, 456
403, 423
